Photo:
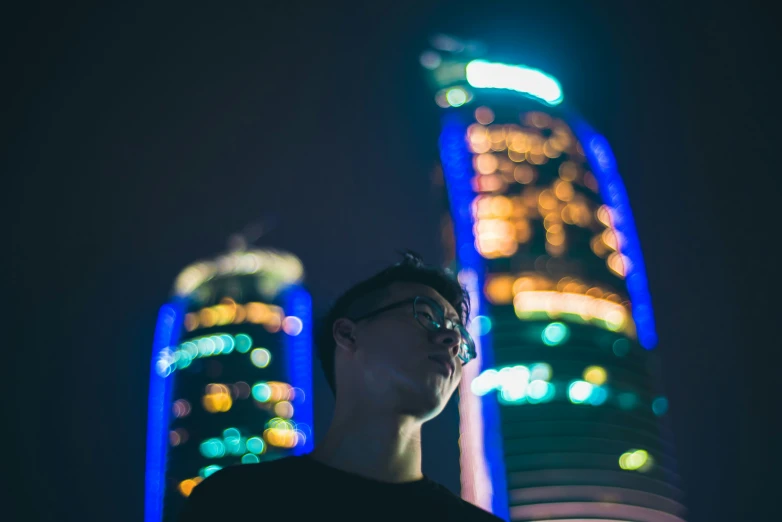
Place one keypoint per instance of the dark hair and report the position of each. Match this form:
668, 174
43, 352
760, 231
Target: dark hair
368, 293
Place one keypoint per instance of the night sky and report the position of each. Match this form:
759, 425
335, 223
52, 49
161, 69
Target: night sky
140, 137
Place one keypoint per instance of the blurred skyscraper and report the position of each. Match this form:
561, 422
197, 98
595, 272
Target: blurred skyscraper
561, 416
231, 379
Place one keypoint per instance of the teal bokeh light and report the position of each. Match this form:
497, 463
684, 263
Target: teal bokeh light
519, 78
554, 334
255, 445
243, 343
249, 458
660, 406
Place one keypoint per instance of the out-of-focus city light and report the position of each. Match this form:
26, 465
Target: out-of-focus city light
430, 60
519, 78
262, 392
554, 334
256, 445
621, 347
209, 470
212, 448
636, 460
518, 384
181, 408
481, 324
283, 269
660, 406
579, 392
186, 486
456, 96
260, 357
217, 398
243, 343
627, 400
292, 325
249, 458
595, 375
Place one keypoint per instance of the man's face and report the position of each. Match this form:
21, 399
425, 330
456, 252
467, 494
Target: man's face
403, 365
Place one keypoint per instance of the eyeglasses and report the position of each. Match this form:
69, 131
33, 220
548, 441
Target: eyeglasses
431, 316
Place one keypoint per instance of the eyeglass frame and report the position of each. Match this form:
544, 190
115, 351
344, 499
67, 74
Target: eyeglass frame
456, 326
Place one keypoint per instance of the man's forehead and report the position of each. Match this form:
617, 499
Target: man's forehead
401, 290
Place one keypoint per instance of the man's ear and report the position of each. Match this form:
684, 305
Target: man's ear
343, 331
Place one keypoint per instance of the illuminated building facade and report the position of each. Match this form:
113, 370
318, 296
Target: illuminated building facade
231, 379
561, 414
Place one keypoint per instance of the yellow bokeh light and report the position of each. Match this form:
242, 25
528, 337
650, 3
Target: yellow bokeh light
186, 487
616, 264
610, 240
257, 313
555, 239
603, 215
486, 163
523, 231
517, 157
499, 290
551, 151
546, 200
208, 317
598, 247
217, 398
552, 221
563, 190
524, 174
568, 171
501, 206
595, 375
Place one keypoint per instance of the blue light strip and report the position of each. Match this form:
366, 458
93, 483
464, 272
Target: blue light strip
299, 360
456, 160
612, 190
169, 323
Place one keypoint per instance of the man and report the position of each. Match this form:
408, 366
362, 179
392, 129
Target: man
392, 349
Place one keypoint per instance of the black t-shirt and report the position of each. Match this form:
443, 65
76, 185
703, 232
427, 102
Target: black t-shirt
301, 488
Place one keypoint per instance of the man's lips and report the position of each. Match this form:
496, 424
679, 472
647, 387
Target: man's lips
445, 365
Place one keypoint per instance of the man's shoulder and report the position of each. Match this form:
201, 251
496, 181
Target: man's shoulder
247, 475
462, 509
476, 514
232, 490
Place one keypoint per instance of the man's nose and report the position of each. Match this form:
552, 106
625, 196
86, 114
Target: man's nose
449, 338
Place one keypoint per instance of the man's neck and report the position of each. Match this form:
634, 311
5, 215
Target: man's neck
384, 448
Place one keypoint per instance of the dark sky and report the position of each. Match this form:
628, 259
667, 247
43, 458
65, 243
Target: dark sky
141, 136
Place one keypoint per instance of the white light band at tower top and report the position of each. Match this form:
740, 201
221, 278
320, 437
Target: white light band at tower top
519, 78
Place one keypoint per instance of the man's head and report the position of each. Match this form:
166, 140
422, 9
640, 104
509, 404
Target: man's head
396, 339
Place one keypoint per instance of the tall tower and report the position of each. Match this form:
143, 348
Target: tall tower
561, 415
231, 378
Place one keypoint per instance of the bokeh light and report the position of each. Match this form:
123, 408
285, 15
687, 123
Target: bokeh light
260, 357
261, 391
660, 406
243, 343
596, 375
292, 325
636, 459
554, 334
481, 325
249, 458
256, 445
579, 392
621, 347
